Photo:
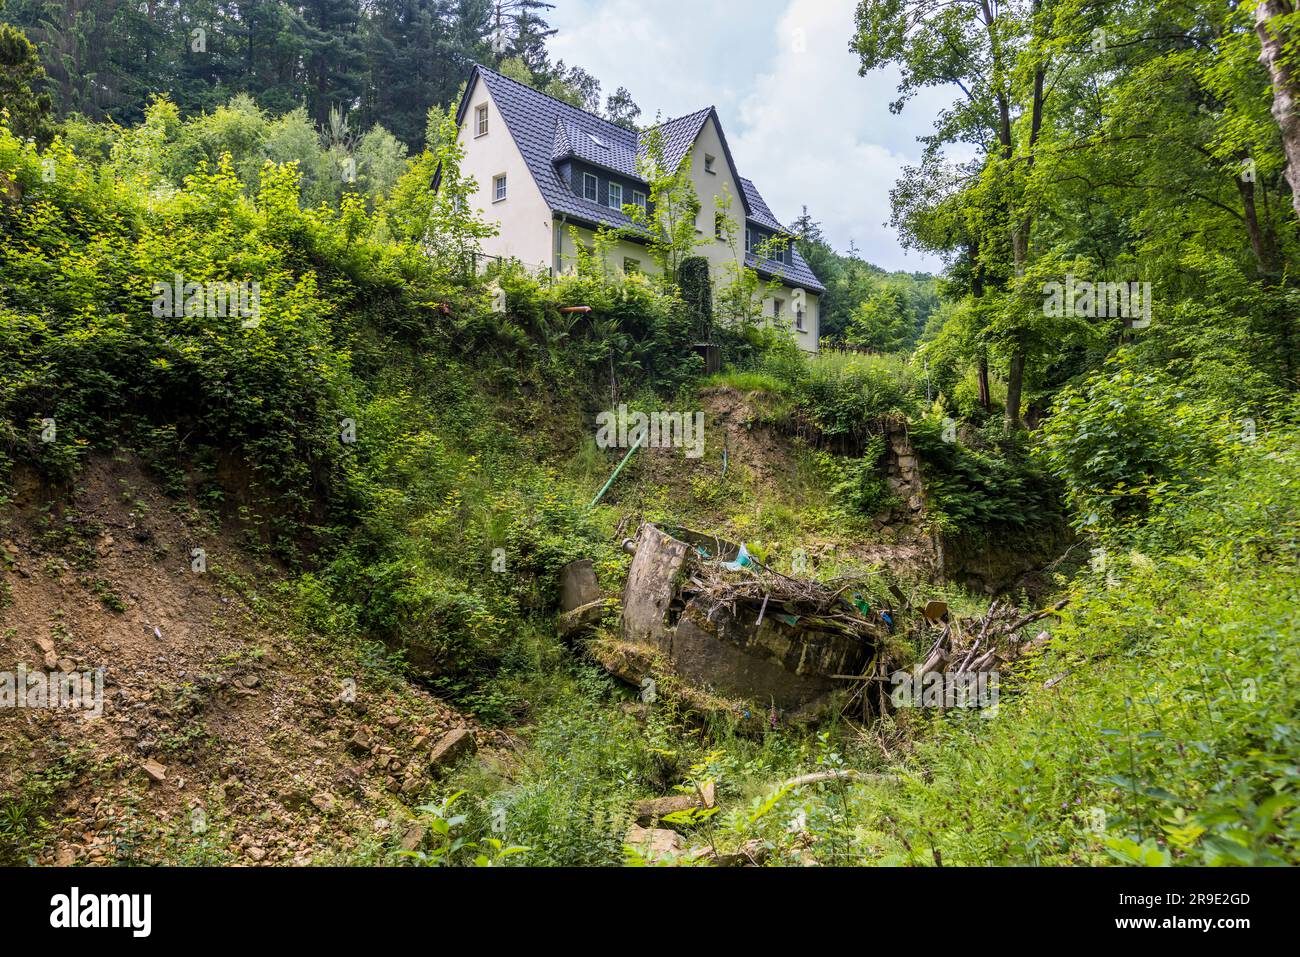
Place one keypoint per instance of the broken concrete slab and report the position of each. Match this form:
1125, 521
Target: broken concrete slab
651, 585
578, 585
582, 620
745, 634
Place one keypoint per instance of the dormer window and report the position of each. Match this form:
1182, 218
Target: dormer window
590, 187
710, 164
615, 196
481, 120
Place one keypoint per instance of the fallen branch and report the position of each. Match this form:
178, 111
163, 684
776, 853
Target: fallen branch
846, 775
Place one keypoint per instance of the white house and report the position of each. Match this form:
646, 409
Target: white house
543, 166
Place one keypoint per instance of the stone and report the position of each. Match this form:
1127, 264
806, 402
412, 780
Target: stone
256, 854
157, 772
578, 585
391, 721
361, 741
450, 748
655, 843
709, 794
413, 837
67, 665
51, 661
651, 810
45, 644
324, 803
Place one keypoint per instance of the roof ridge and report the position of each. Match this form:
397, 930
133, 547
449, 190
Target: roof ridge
554, 99
677, 119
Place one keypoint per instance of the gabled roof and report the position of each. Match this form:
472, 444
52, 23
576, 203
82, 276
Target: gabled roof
677, 136
548, 131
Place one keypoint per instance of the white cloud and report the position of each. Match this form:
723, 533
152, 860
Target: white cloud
800, 121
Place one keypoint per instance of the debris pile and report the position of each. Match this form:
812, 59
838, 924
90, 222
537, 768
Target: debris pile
729, 624
978, 645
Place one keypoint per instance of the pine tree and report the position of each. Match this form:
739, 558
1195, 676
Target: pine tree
21, 79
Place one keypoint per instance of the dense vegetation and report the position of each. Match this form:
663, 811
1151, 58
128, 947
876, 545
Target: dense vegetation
391, 424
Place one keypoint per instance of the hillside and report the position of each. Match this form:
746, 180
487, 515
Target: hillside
1001, 576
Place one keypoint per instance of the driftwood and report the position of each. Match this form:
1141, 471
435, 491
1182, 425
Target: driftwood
997, 640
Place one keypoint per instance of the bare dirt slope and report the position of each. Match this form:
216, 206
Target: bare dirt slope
275, 747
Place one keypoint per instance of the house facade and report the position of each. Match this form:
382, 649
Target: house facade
546, 170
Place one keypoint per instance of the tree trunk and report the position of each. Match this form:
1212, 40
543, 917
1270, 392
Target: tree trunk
1015, 384
986, 400
1286, 89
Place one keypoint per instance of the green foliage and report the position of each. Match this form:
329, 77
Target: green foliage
697, 293
859, 484
846, 396
21, 79
1168, 732
995, 492
1126, 439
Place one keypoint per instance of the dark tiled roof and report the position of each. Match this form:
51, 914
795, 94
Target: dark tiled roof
599, 146
758, 210
537, 123
799, 273
677, 136
546, 130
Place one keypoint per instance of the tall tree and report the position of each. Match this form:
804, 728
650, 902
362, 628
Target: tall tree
21, 82
1278, 28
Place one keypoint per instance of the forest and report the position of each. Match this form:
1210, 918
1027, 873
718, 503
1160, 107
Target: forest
321, 549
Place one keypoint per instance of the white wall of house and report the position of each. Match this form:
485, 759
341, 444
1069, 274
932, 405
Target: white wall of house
523, 218
807, 334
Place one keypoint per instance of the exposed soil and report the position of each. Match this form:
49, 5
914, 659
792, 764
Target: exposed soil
291, 750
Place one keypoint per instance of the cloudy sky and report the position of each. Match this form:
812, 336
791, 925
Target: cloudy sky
800, 121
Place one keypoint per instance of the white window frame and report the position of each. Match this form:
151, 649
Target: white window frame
619, 204
710, 164
798, 320
500, 188
481, 121
749, 240
777, 306
639, 199
595, 180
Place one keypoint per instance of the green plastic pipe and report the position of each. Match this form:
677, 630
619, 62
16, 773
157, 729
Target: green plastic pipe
630, 453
